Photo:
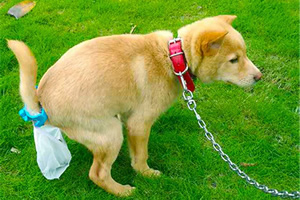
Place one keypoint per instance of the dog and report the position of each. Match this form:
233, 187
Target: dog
130, 76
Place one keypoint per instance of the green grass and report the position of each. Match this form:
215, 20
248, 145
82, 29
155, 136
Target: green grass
258, 126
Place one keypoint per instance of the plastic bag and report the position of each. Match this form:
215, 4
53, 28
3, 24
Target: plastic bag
53, 155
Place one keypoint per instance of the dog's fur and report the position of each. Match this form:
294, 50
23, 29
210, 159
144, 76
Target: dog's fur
130, 76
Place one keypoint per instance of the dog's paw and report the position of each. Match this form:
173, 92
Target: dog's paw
151, 173
145, 170
125, 191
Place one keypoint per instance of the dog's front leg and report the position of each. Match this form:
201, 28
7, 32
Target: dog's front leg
138, 137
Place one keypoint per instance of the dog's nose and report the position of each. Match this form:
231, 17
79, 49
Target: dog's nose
258, 76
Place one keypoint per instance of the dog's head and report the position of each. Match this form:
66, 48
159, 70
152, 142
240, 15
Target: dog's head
216, 51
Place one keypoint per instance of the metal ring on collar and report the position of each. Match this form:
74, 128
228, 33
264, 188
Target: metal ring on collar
181, 73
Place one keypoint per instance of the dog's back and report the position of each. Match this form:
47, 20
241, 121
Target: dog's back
102, 77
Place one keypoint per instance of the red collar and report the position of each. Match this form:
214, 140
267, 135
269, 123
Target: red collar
179, 63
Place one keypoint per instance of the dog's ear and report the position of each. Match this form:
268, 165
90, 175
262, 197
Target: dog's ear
227, 18
211, 42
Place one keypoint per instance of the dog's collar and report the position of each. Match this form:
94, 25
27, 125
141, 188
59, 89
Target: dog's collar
179, 64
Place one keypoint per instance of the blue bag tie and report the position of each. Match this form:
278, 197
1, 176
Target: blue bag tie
38, 119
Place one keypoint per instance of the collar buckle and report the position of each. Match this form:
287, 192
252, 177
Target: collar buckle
174, 40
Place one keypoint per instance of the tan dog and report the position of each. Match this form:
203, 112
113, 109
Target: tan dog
130, 76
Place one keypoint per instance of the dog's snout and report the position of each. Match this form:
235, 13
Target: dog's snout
258, 76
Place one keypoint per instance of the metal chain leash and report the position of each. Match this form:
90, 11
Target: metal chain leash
191, 103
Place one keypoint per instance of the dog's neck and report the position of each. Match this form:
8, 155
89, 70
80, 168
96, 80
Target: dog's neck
188, 50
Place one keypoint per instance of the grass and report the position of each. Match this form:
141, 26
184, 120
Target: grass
258, 126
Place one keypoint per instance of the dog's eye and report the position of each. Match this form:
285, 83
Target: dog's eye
234, 60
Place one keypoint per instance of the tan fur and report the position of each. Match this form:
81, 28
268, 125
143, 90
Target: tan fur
28, 70
129, 77
209, 44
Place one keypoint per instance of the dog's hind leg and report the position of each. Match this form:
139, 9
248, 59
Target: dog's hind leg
105, 146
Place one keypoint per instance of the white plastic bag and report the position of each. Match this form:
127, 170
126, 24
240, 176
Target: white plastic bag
53, 155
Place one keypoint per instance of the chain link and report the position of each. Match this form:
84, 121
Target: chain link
191, 103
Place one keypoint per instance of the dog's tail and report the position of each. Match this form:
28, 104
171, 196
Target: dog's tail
28, 73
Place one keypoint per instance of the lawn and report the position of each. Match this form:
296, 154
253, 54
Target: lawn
259, 126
